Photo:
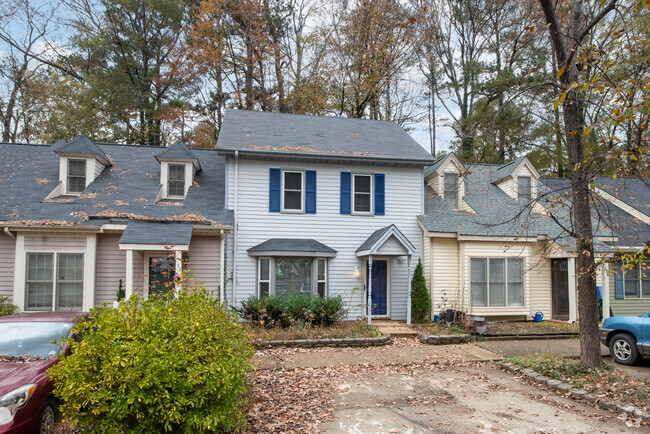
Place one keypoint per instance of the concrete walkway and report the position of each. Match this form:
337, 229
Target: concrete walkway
395, 328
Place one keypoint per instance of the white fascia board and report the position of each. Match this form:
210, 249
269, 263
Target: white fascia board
488, 238
155, 247
624, 206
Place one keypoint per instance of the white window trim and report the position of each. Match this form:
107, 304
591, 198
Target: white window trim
170, 196
487, 276
314, 274
259, 275
63, 175
640, 281
55, 264
302, 191
372, 194
164, 178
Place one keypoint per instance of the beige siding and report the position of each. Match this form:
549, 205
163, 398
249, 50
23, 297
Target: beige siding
426, 262
540, 283
508, 187
626, 306
111, 268
479, 249
204, 261
55, 243
445, 276
7, 253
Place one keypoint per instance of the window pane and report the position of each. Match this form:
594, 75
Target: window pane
176, 188
451, 189
292, 276
321, 269
515, 282
497, 282
293, 180
39, 267
515, 294
293, 200
361, 202
176, 172
39, 296
632, 282
478, 273
264, 269
162, 270
264, 289
76, 184
77, 168
362, 184
645, 279
321, 289
70, 267
524, 187
70, 296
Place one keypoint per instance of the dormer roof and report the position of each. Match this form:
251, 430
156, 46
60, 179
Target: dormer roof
82, 146
507, 171
178, 152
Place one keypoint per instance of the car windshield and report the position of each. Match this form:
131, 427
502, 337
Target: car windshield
32, 338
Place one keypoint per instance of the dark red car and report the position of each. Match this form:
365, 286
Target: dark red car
26, 353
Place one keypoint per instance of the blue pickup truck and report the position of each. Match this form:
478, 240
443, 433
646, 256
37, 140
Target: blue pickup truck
627, 337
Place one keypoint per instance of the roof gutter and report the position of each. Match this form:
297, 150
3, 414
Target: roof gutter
8, 232
235, 233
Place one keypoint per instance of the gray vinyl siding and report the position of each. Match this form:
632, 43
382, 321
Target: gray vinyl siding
7, 253
626, 306
111, 268
205, 261
344, 233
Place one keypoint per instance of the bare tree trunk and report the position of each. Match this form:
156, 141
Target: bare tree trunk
566, 42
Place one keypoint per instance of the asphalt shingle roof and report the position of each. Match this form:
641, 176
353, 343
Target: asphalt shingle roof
291, 245
506, 169
283, 134
157, 233
373, 238
126, 190
631, 190
177, 150
81, 145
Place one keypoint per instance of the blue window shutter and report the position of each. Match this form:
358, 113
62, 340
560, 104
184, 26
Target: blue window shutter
380, 193
346, 192
618, 280
310, 191
274, 190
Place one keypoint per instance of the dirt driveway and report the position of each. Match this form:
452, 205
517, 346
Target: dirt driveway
409, 387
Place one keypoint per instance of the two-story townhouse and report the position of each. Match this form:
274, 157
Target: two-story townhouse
325, 206
80, 219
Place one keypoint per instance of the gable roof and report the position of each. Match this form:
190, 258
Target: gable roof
168, 234
83, 146
441, 163
126, 191
178, 151
377, 239
288, 136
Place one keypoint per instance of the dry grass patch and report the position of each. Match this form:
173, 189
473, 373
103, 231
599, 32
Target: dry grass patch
529, 328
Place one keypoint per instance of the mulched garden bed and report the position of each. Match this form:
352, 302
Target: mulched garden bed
342, 330
439, 328
530, 328
609, 383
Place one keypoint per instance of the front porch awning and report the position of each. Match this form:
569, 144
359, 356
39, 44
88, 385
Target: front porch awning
156, 236
388, 241
292, 247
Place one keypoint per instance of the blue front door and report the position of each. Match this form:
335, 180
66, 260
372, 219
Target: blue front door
379, 287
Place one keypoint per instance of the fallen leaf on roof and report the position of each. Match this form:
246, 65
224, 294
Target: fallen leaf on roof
303, 149
130, 216
110, 159
111, 187
121, 203
100, 205
141, 199
43, 181
168, 203
88, 196
195, 183
43, 223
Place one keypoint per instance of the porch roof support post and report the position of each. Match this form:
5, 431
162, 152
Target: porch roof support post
369, 289
408, 297
573, 308
178, 263
128, 291
605, 291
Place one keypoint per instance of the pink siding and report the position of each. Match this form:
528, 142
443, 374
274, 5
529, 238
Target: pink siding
55, 243
204, 262
138, 272
111, 267
7, 255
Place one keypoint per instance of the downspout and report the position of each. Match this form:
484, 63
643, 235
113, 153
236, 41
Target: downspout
234, 233
8, 232
222, 290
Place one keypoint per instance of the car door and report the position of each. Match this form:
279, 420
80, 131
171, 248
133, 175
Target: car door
644, 339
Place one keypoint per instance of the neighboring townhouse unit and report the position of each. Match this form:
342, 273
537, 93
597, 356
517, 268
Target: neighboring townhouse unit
321, 204
490, 247
78, 218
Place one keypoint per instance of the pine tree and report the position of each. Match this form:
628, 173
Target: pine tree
420, 299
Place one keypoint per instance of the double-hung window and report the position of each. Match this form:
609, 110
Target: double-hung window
291, 276
362, 193
76, 176
176, 180
451, 189
497, 282
54, 281
634, 282
524, 191
292, 190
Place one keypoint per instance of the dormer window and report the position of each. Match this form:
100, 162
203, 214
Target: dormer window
524, 189
176, 180
76, 176
450, 193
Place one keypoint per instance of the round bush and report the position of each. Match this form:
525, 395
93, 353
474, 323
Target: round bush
161, 365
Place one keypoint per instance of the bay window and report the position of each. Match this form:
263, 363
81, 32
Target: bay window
291, 276
497, 282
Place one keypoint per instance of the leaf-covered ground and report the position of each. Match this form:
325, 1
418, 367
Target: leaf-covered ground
343, 329
524, 328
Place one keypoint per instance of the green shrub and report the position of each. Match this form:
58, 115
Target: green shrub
420, 299
302, 309
6, 308
161, 365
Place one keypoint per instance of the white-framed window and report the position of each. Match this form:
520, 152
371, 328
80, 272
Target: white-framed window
636, 281
524, 189
293, 186
176, 180
76, 177
54, 281
450, 193
362, 194
291, 275
497, 282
